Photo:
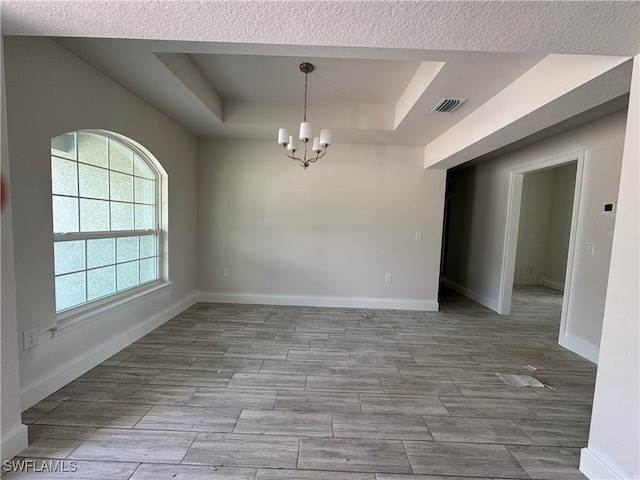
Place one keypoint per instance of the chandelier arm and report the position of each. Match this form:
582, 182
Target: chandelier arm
319, 155
292, 156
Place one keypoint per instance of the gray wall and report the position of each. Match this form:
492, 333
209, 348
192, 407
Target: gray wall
49, 92
545, 226
14, 433
479, 217
327, 235
560, 226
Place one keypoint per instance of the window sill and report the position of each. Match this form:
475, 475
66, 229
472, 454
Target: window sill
70, 320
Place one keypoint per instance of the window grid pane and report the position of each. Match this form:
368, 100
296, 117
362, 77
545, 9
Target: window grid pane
66, 215
120, 157
101, 282
128, 275
64, 177
94, 182
70, 290
101, 185
92, 149
122, 216
94, 215
69, 257
101, 252
64, 146
113, 264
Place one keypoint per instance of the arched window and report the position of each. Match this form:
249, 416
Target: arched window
105, 195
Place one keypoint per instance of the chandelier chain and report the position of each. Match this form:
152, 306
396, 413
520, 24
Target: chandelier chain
305, 96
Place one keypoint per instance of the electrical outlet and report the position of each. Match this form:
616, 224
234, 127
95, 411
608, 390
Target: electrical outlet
225, 272
418, 236
530, 269
30, 338
388, 278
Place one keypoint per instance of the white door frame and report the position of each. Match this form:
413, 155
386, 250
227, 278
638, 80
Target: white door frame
511, 233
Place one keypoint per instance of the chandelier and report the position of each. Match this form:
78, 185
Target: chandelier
289, 143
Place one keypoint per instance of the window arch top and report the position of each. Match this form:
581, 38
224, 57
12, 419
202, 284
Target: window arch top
99, 183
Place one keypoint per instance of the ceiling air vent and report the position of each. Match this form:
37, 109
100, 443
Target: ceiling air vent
448, 105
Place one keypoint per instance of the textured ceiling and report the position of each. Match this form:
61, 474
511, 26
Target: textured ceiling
585, 27
229, 69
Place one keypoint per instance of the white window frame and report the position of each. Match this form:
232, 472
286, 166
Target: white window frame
93, 309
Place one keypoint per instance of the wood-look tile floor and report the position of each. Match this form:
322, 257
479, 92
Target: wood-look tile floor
249, 392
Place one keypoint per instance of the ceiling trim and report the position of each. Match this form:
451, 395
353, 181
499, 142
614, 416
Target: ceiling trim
522, 102
185, 70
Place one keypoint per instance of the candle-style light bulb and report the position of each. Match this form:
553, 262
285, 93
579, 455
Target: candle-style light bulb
305, 131
325, 137
283, 136
293, 145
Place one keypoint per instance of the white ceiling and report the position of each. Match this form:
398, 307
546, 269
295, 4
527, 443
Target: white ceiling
355, 97
230, 69
278, 79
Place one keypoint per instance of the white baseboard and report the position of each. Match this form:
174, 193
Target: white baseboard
595, 469
551, 284
581, 347
13, 442
489, 302
54, 380
319, 301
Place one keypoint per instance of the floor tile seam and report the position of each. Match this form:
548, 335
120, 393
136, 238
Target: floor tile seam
332, 436
94, 425
141, 417
494, 443
494, 397
71, 399
87, 440
537, 417
186, 452
406, 452
485, 417
298, 456
151, 386
533, 441
194, 385
129, 402
177, 430
518, 462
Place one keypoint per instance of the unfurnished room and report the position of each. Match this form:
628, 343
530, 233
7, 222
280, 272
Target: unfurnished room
313, 240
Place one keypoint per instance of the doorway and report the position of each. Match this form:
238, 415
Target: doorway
539, 245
